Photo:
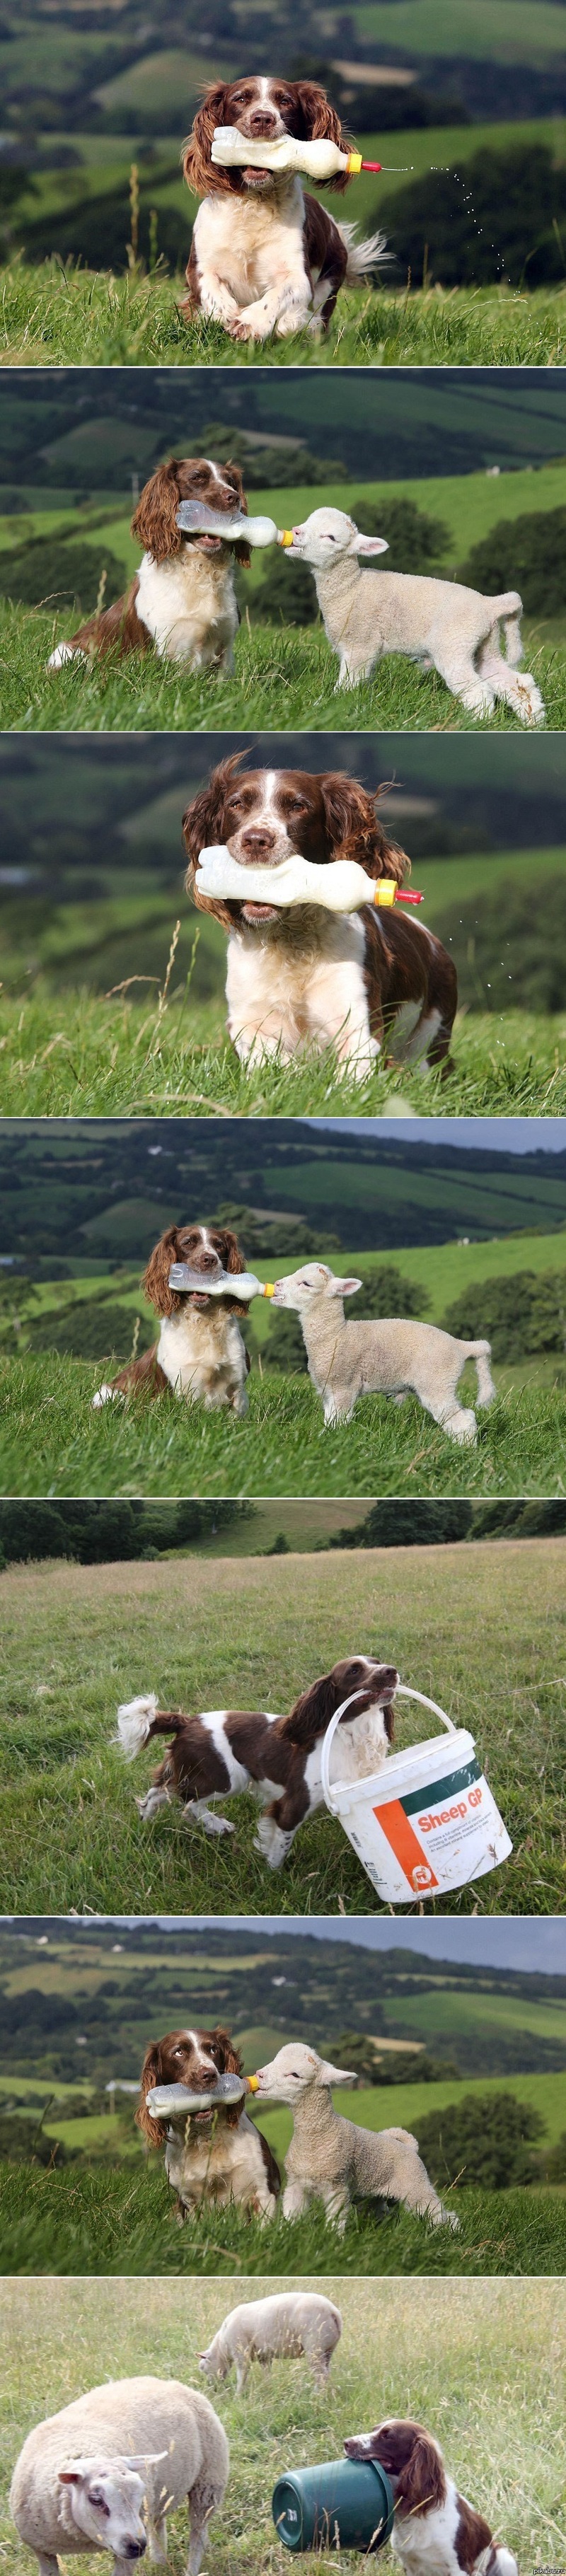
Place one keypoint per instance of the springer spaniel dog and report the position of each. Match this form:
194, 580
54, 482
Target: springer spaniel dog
264, 256
216, 2155
435, 2532
222, 1750
364, 983
182, 600
200, 1352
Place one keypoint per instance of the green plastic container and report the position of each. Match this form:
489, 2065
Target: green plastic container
341, 2504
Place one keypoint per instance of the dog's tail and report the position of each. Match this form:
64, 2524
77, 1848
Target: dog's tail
362, 255
481, 1353
138, 1720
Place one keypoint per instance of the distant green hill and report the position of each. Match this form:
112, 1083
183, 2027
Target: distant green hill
490, 2022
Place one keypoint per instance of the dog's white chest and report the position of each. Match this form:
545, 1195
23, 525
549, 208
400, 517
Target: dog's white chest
220, 2165
199, 1355
188, 605
292, 987
252, 243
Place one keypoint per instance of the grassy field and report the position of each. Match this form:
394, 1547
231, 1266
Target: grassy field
77, 1640
55, 315
122, 2222
483, 2373
283, 677
51, 1442
77, 1053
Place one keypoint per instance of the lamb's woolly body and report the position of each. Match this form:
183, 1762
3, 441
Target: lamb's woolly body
392, 1356
330, 2158
292, 2323
188, 604
125, 2417
442, 625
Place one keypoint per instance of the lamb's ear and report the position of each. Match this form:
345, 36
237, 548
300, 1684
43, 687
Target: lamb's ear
142, 2460
345, 1287
370, 545
328, 2074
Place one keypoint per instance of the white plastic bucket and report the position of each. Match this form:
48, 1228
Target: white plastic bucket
428, 1821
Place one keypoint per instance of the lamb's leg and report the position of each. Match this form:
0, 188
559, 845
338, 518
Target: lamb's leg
516, 689
204, 2498
47, 2566
459, 672
352, 671
196, 1813
242, 2371
457, 1420
413, 2187
295, 2199
148, 1805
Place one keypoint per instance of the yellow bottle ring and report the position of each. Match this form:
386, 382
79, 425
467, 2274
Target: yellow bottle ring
269, 1290
385, 893
285, 537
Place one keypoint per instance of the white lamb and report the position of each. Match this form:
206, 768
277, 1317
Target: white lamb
291, 2323
329, 2158
439, 624
394, 1356
84, 2475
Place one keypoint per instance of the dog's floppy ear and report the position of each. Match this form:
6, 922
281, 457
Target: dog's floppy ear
241, 551
234, 1262
198, 169
421, 2484
203, 823
319, 121
354, 831
155, 520
151, 2073
232, 2066
155, 1282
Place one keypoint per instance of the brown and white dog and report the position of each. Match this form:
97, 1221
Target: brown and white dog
435, 2532
224, 2157
366, 983
223, 1750
182, 599
264, 256
200, 1353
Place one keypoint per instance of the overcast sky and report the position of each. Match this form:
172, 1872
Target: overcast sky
499, 1941
487, 1135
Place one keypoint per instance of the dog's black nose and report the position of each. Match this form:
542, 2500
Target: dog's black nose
262, 122
257, 843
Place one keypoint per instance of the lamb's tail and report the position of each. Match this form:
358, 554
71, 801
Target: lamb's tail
362, 255
481, 1353
137, 1720
509, 607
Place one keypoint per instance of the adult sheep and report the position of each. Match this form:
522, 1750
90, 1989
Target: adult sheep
106, 2470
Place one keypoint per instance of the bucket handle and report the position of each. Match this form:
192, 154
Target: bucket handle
403, 1691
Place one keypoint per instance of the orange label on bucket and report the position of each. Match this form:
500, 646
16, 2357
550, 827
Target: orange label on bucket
399, 1833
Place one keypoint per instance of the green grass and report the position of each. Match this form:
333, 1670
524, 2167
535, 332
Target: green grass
76, 1054
51, 1442
484, 2373
478, 1627
72, 316
284, 678
122, 2222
